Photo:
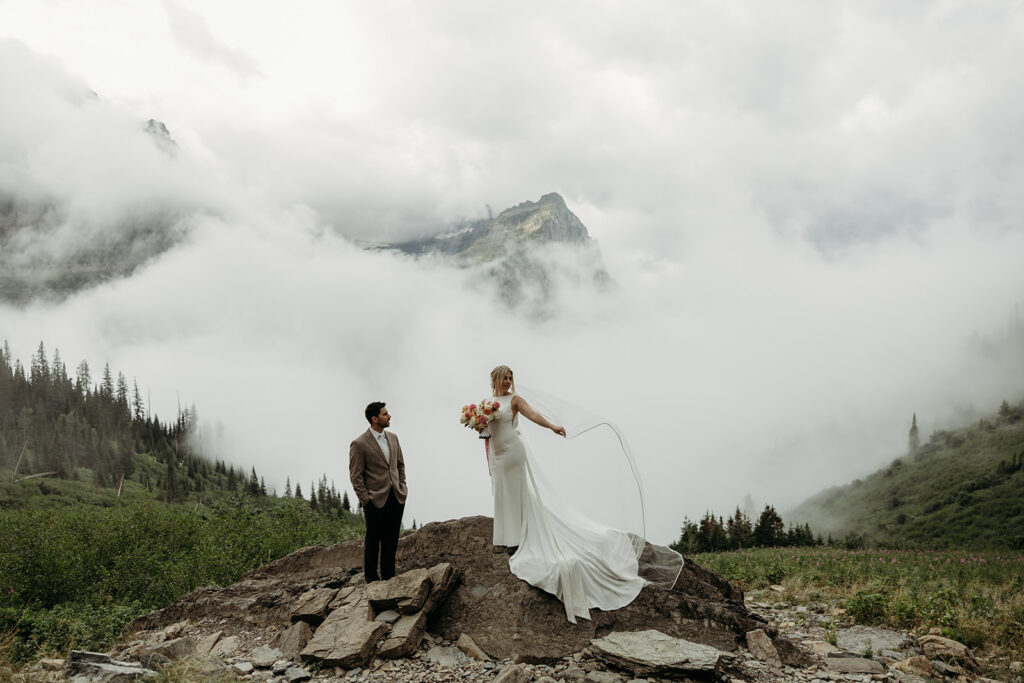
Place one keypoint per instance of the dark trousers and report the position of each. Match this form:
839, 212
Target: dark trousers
382, 527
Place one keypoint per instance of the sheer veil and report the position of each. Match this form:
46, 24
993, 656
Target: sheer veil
608, 453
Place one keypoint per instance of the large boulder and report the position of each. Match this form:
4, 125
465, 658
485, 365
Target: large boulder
652, 653
347, 638
472, 592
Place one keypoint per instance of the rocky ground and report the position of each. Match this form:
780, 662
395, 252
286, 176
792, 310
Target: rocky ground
456, 613
856, 654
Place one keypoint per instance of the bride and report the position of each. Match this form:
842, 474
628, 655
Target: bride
556, 548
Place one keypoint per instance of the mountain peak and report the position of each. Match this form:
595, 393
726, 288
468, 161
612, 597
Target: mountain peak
526, 224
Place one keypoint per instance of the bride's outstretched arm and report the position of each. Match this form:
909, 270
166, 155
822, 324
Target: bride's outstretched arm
520, 405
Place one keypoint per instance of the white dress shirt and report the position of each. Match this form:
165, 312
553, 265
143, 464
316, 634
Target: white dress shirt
382, 441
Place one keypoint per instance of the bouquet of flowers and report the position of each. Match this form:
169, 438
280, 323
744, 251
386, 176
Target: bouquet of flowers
479, 415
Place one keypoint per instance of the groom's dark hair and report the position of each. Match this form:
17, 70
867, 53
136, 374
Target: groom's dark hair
373, 410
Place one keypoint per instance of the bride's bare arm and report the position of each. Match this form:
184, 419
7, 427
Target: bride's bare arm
520, 405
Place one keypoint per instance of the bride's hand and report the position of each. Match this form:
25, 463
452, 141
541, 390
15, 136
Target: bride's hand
558, 429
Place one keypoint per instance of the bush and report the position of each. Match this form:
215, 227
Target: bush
74, 576
867, 608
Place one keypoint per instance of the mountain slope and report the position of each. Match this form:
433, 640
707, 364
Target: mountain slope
964, 488
527, 250
47, 252
529, 223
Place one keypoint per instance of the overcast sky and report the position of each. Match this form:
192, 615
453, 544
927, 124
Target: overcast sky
809, 209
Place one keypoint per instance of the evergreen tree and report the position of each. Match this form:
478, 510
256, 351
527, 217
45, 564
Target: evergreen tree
739, 530
40, 368
298, 490
138, 409
107, 386
83, 379
914, 439
287, 487
346, 505
769, 530
172, 485
687, 543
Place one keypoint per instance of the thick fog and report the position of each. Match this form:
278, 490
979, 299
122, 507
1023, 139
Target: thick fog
811, 212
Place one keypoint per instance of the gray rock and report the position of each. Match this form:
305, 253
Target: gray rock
242, 668
119, 672
514, 673
469, 646
346, 638
821, 647
405, 593
175, 649
312, 606
654, 653
917, 665
174, 630
573, 673
47, 664
205, 645
388, 616
857, 639
264, 657
943, 669
760, 645
602, 677
854, 665
910, 678
100, 668
446, 656
343, 597
937, 647
225, 646
405, 636
297, 673
292, 641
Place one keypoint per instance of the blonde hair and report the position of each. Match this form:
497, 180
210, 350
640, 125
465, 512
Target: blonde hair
498, 374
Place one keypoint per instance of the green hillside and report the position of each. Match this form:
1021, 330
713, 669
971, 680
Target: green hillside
964, 488
106, 512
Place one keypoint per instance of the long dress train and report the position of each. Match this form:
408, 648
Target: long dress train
585, 564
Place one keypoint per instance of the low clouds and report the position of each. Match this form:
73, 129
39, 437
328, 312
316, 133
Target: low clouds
808, 211
192, 33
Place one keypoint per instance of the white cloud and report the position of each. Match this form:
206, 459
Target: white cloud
808, 209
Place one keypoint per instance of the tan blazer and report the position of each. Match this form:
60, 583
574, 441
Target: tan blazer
372, 475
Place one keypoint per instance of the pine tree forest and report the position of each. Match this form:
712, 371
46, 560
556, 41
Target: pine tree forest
99, 430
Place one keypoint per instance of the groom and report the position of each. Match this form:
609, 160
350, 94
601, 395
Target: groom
377, 470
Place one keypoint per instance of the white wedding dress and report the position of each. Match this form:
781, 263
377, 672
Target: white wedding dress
585, 564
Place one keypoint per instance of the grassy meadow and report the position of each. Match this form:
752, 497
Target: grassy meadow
974, 597
71, 576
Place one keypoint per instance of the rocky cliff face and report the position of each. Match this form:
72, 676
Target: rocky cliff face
45, 254
521, 227
528, 250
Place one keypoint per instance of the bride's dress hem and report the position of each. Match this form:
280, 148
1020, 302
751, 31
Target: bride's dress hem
582, 563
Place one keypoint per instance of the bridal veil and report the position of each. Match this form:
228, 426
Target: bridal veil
597, 485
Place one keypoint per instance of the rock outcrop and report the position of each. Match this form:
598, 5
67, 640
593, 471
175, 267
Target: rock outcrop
504, 616
189, 651
528, 250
